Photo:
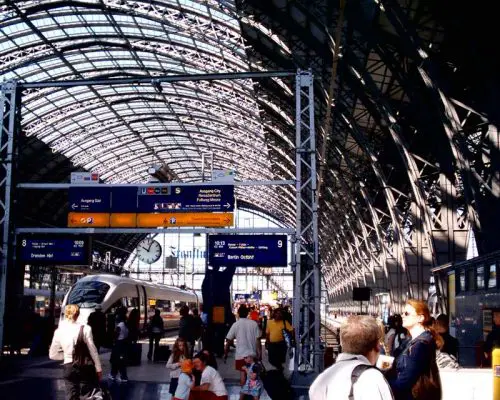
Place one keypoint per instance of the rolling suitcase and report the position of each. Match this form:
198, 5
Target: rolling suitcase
134, 354
162, 354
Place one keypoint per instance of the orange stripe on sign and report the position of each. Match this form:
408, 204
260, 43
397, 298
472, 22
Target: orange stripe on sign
88, 220
123, 220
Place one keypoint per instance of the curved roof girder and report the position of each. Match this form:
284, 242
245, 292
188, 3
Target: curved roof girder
449, 118
383, 110
358, 216
367, 268
386, 191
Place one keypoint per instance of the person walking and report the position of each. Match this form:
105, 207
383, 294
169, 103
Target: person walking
62, 347
187, 328
275, 341
97, 322
247, 335
155, 333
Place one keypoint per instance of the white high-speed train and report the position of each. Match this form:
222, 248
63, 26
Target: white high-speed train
111, 292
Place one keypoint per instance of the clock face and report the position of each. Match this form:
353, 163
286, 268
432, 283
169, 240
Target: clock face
149, 251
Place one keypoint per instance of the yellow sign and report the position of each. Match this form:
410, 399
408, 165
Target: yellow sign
123, 220
184, 219
144, 220
218, 315
88, 220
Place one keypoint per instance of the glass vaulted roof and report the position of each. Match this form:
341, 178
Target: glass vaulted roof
120, 131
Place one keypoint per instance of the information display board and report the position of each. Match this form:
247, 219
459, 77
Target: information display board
152, 199
55, 250
186, 199
248, 250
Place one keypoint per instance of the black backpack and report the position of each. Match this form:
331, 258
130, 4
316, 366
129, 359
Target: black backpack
356, 373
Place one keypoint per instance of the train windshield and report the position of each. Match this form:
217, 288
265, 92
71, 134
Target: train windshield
88, 294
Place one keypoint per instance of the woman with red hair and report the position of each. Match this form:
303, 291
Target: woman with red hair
415, 374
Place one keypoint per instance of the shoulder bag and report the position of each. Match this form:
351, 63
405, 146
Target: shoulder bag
83, 364
288, 336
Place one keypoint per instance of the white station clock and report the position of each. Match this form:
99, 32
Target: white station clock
149, 251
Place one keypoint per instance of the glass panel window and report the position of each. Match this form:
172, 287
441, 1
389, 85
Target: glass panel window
480, 277
492, 278
462, 281
470, 279
88, 294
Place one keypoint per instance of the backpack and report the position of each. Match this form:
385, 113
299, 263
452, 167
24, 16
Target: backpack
356, 373
446, 361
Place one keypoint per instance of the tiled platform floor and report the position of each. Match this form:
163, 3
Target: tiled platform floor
42, 380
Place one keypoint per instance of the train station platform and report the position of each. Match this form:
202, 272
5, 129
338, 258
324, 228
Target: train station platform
41, 378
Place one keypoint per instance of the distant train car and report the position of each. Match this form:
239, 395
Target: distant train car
112, 292
469, 294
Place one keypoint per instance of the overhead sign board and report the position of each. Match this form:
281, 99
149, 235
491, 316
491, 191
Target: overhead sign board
152, 199
84, 178
89, 199
247, 250
186, 199
73, 250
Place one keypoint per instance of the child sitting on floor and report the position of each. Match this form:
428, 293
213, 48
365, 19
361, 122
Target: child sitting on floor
186, 381
253, 385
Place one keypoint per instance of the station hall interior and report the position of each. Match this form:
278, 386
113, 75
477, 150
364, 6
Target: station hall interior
330, 158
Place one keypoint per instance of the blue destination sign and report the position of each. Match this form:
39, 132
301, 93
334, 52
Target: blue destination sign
186, 199
123, 199
55, 251
89, 199
151, 199
248, 250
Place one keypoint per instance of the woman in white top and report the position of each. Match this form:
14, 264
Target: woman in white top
211, 385
174, 363
62, 347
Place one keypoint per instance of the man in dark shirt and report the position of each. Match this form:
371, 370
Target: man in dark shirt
97, 322
450, 345
493, 338
187, 328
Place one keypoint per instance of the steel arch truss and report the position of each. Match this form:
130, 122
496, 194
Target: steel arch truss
120, 131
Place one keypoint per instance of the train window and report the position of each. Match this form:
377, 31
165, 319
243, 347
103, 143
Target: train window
462, 281
163, 305
471, 279
132, 302
88, 294
480, 277
492, 276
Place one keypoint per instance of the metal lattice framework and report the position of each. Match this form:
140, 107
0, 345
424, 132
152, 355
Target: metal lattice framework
409, 162
411, 165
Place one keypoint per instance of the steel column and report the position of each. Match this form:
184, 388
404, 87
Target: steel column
8, 120
307, 296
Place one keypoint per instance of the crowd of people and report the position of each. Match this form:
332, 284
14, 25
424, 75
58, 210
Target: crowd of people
401, 362
192, 364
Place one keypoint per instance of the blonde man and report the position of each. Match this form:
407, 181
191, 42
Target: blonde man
62, 347
360, 340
